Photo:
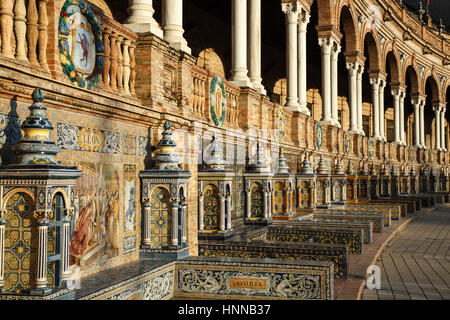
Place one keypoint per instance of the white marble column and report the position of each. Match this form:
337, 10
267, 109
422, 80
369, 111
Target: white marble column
442, 123
239, 71
422, 124
174, 210
416, 106
291, 13
381, 103
334, 84
2, 246
254, 50
327, 45
266, 205
249, 205
65, 254
172, 22
222, 214
229, 225
141, 19
396, 102
359, 99
375, 82
183, 222
353, 96
302, 59
201, 222
437, 127
147, 231
402, 117
42, 217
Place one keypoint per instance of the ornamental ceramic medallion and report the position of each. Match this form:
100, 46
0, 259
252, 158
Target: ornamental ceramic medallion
371, 147
411, 154
319, 136
280, 123
347, 143
80, 44
218, 98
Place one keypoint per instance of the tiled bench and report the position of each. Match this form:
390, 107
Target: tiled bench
395, 211
376, 219
352, 238
384, 214
307, 221
336, 253
407, 205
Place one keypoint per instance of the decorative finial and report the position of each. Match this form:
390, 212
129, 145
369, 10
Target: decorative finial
166, 159
412, 173
338, 167
373, 172
282, 161
215, 161
322, 169
306, 165
260, 164
350, 171
37, 146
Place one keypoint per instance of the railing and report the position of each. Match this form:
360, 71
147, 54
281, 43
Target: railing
200, 103
119, 69
24, 35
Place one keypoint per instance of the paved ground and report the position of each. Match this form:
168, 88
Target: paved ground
415, 264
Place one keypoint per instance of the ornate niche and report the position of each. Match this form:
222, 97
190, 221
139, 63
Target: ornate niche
414, 181
424, 180
283, 191
395, 182
339, 184
164, 194
215, 185
306, 186
405, 182
258, 190
374, 183
363, 182
385, 182
36, 207
434, 181
352, 184
443, 179
323, 180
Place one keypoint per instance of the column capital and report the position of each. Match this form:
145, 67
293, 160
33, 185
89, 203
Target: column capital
335, 50
2, 216
43, 216
326, 44
375, 82
352, 67
291, 11
303, 20
329, 31
68, 214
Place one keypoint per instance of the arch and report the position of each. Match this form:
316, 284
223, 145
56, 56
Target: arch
160, 217
433, 83
327, 11
19, 265
392, 60
158, 186
256, 200
103, 6
14, 191
209, 60
346, 18
412, 73
211, 207
373, 49
64, 194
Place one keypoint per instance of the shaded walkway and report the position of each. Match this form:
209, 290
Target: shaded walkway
416, 263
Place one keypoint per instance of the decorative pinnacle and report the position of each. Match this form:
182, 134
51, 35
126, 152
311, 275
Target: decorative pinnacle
37, 146
322, 169
215, 161
283, 166
260, 163
166, 158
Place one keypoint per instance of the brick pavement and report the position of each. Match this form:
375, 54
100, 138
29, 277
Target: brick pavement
415, 264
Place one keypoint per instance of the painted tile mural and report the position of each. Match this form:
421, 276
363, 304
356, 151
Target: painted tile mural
96, 232
110, 155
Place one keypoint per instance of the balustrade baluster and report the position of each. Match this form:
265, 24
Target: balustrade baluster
107, 56
119, 63
43, 36
32, 32
113, 69
6, 26
133, 68
126, 66
20, 29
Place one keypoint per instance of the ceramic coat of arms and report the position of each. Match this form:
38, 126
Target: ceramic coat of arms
218, 99
319, 136
280, 123
80, 44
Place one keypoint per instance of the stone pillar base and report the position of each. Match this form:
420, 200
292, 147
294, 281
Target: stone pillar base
146, 28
